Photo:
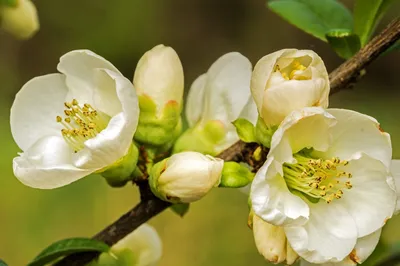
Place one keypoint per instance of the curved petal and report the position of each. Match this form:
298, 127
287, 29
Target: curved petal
329, 235
145, 243
249, 111
227, 88
363, 249
34, 111
370, 191
78, 66
271, 199
395, 170
356, 132
195, 100
113, 142
262, 73
278, 100
296, 132
47, 164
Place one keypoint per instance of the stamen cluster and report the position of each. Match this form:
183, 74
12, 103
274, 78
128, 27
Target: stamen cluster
317, 178
80, 124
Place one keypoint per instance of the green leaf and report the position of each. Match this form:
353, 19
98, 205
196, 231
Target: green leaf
68, 246
367, 14
235, 175
344, 42
2, 263
315, 17
181, 208
245, 130
11, 3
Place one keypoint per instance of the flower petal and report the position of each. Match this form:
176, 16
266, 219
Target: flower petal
356, 132
47, 164
145, 243
79, 66
363, 249
250, 112
371, 200
34, 111
395, 170
295, 133
272, 200
329, 235
113, 142
195, 100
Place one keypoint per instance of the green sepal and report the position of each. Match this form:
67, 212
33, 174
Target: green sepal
245, 130
235, 175
158, 128
9, 3
344, 42
154, 174
264, 133
119, 173
181, 208
201, 138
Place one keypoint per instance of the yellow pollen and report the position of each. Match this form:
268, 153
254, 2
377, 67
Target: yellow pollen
316, 178
81, 123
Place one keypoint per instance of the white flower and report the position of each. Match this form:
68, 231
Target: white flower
327, 182
72, 124
21, 21
185, 177
159, 75
395, 170
287, 80
219, 97
144, 243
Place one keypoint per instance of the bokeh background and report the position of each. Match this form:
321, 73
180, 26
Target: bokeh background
214, 232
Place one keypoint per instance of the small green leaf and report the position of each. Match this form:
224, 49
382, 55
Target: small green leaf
235, 175
367, 14
181, 208
344, 42
315, 17
68, 246
2, 263
11, 3
245, 130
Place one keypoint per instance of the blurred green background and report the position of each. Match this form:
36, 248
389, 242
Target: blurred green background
214, 232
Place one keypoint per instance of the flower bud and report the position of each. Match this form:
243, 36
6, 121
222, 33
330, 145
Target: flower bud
271, 242
21, 20
142, 247
287, 80
185, 177
158, 81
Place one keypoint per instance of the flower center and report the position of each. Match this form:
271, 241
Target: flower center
294, 71
316, 178
81, 122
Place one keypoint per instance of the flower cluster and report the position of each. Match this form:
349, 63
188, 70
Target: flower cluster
323, 194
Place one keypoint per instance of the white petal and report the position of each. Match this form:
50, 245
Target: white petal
329, 235
371, 201
227, 88
395, 170
34, 111
79, 66
47, 164
363, 249
356, 132
145, 244
113, 142
250, 112
195, 100
272, 200
262, 73
296, 132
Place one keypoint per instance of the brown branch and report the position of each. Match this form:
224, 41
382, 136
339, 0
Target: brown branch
150, 205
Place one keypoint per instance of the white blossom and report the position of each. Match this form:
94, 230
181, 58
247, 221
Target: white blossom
73, 123
327, 183
287, 80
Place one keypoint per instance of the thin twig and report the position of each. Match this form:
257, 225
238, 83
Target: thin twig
150, 205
